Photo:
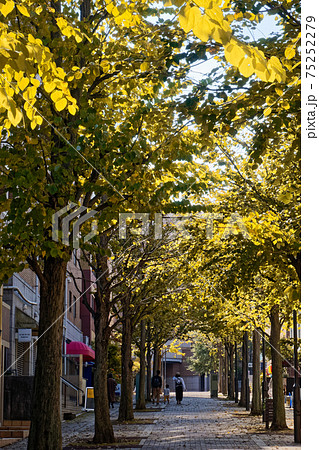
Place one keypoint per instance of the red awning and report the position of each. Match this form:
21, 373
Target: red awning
79, 348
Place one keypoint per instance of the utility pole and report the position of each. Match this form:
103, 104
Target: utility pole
297, 400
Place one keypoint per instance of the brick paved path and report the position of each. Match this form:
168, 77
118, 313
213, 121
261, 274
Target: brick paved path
199, 423
202, 423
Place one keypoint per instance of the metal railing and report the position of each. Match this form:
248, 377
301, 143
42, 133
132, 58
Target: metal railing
66, 383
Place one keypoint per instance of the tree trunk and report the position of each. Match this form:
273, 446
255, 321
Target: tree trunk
256, 408
226, 381
103, 426
149, 372
242, 401
222, 371
155, 360
45, 430
279, 421
140, 402
231, 386
220, 368
126, 403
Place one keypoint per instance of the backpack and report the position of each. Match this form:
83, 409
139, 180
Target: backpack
178, 382
157, 381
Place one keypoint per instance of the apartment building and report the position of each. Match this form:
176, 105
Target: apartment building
20, 320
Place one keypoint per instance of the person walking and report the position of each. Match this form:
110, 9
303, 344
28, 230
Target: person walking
111, 386
179, 387
156, 383
166, 394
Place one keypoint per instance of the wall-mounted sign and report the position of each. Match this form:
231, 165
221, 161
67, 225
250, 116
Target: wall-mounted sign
24, 334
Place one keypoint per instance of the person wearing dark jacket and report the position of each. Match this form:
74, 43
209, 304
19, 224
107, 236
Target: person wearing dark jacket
156, 383
111, 386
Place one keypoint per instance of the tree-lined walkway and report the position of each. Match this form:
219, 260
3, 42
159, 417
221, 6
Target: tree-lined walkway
199, 423
204, 423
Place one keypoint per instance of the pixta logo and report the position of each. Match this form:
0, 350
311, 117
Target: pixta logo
234, 223
75, 229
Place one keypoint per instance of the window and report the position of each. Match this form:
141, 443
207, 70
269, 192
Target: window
22, 358
74, 306
70, 301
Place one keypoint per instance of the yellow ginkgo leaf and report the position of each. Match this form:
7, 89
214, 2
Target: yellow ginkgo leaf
30, 113
61, 104
78, 36
216, 14
203, 28
268, 100
144, 66
234, 54
115, 11
33, 124
23, 83
49, 87
285, 104
23, 10
246, 67
56, 95
7, 8
39, 120
188, 17
72, 109
267, 111
14, 116
290, 52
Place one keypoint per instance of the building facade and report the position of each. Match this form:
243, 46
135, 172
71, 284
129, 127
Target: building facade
20, 319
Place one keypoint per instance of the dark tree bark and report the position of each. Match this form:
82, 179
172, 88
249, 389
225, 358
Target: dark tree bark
226, 371
222, 374
85, 9
103, 426
45, 430
126, 403
155, 360
256, 408
140, 403
296, 262
103, 429
279, 421
243, 401
231, 374
148, 372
